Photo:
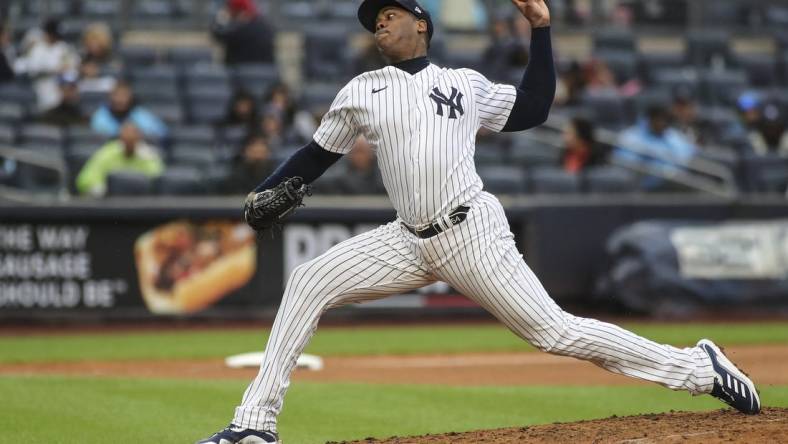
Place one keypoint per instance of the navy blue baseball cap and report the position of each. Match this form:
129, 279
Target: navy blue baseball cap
369, 9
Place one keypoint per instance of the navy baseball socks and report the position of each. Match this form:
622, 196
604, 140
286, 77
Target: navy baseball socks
731, 385
236, 435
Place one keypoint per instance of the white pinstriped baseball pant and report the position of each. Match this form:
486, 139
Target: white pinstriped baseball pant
478, 258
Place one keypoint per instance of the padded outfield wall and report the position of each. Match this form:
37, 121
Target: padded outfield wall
135, 258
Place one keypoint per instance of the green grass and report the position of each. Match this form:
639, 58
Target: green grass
103, 410
341, 341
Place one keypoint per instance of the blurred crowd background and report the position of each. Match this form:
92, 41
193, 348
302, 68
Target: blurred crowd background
175, 97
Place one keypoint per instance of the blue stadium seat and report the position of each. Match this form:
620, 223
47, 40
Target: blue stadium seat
233, 135
624, 64
207, 77
84, 135
101, 9
552, 180
527, 152
11, 112
127, 183
89, 102
148, 93
765, 174
685, 78
192, 155
19, 92
723, 87
489, 153
761, 69
608, 109
206, 110
704, 46
652, 62
7, 134
197, 134
178, 181
326, 53
503, 179
256, 78
317, 96
134, 57
188, 56
616, 39
171, 113
162, 74
153, 9
609, 179
43, 134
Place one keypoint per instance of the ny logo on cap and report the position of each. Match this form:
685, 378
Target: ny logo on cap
454, 102
418, 9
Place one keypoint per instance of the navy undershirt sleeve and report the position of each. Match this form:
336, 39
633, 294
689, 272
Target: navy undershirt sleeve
310, 162
537, 90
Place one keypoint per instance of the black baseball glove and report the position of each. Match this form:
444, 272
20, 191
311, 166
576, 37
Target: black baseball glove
268, 208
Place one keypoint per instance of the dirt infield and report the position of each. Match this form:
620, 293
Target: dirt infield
767, 364
721, 426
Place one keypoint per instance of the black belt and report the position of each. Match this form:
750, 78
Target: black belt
456, 217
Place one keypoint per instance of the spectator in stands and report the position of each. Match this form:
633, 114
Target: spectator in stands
298, 123
571, 85
252, 165
97, 59
581, 149
769, 135
368, 57
47, 57
129, 152
361, 175
245, 35
684, 112
122, 108
598, 76
507, 50
242, 110
6, 55
657, 147
68, 111
272, 126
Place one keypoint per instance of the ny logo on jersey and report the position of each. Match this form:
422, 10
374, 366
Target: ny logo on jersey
454, 102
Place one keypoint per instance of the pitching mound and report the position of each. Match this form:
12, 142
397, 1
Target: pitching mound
720, 426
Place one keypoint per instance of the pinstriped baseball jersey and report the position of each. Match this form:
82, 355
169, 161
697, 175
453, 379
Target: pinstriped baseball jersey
423, 127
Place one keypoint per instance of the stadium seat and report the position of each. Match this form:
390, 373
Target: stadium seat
723, 87
765, 174
148, 93
197, 134
34, 178
12, 112
503, 179
164, 75
326, 53
206, 110
233, 135
652, 62
84, 136
7, 134
101, 9
705, 46
608, 109
206, 77
609, 179
153, 9
138, 56
551, 180
489, 153
43, 148
672, 79
89, 102
318, 96
615, 39
127, 183
624, 64
527, 152
192, 155
256, 78
178, 181
43, 134
761, 69
19, 92
172, 113
188, 56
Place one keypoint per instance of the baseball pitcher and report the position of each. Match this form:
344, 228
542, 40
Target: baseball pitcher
422, 120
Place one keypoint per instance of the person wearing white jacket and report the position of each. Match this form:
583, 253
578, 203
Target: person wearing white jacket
48, 57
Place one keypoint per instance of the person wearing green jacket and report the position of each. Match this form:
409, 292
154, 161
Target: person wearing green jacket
127, 153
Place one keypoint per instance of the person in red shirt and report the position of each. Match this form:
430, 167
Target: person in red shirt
581, 149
